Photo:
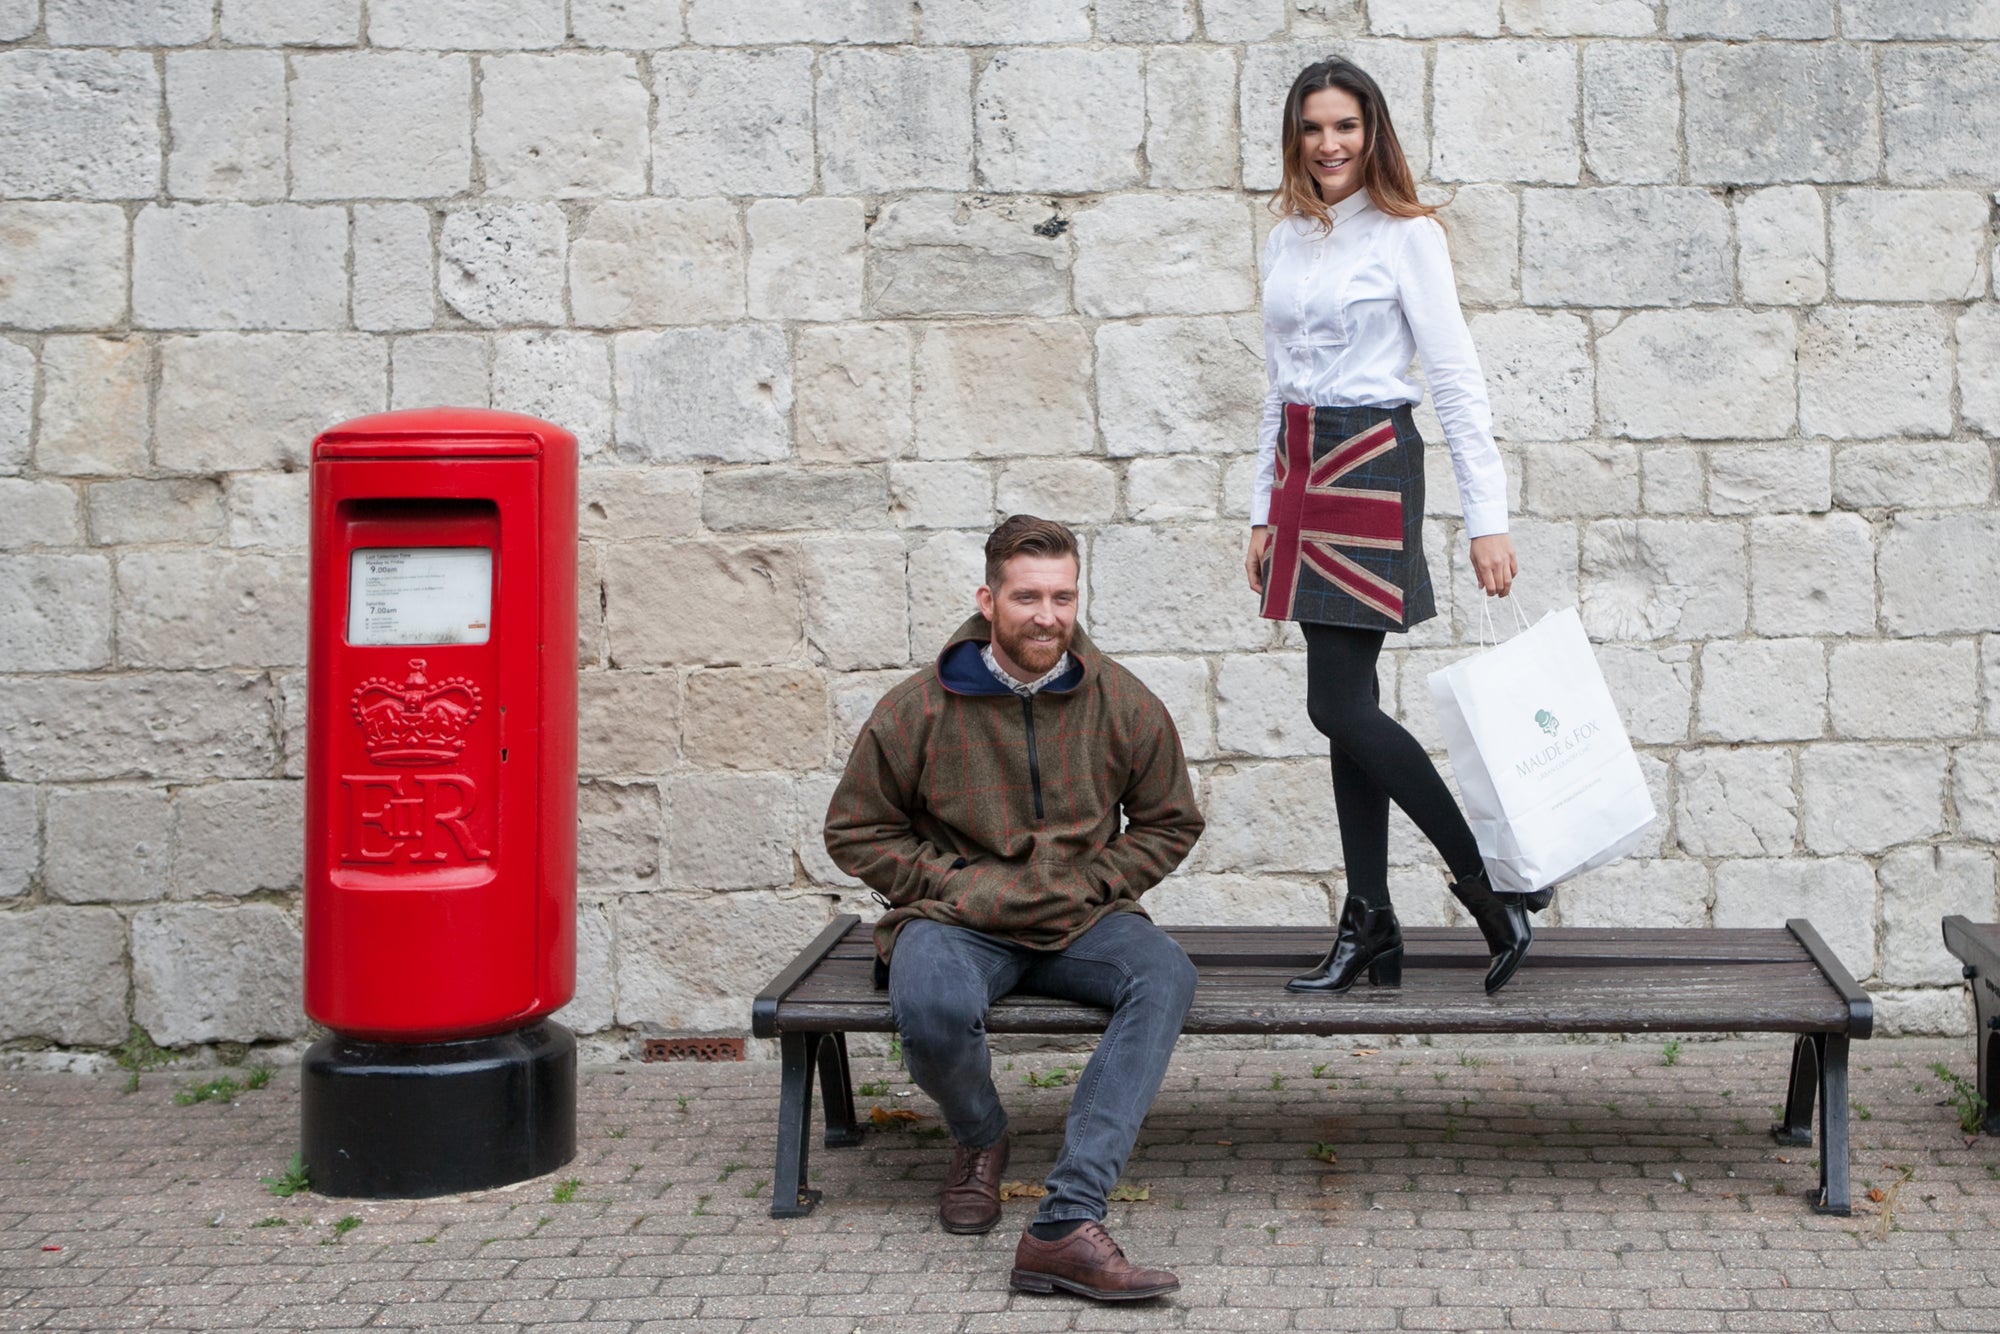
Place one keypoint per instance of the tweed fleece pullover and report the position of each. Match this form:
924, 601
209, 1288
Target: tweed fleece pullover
967, 804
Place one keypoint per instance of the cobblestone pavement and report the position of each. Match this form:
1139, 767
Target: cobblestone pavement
1475, 1186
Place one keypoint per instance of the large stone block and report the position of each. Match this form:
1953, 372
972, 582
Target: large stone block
1269, 69
239, 266
1813, 574
1863, 798
1581, 18
287, 23
1921, 886
55, 613
560, 376
855, 392
1579, 480
1653, 687
618, 835
677, 603
1763, 690
202, 973
17, 404
806, 259
96, 406
1003, 389
627, 722
1437, 18
177, 509
728, 23
894, 120
621, 504
1909, 245
447, 369
856, 601
478, 25
65, 970
1505, 111
20, 838
1073, 491
268, 510
179, 608
1165, 255
1176, 590
1921, 1012
562, 126
975, 23
721, 394
1701, 374
1190, 114
1145, 20
1161, 490
1260, 706
1631, 113
1750, 18
227, 113
1674, 247
1661, 579
733, 123
387, 125
62, 266
395, 278
502, 264
108, 845
1181, 684
784, 499
1538, 373
1917, 474
1240, 900
238, 838
1242, 20
1760, 479
657, 261
1869, 372
1941, 114
1941, 573
944, 573
755, 718
39, 514
1275, 816
593, 1008
1975, 790
1978, 332
1060, 122
230, 401
1671, 480
1635, 893
182, 726
1836, 895
1484, 224
79, 123
1172, 386
632, 24
941, 495
691, 963
1827, 129
1887, 21
851, 699
730, 831
1905, 688
1735, 803
128, 22
939, 255
1781, 246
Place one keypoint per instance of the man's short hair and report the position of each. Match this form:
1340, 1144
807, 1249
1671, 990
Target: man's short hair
1025, 535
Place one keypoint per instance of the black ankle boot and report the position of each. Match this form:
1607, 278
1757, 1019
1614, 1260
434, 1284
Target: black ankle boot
1502, 919
1369, 939
1540, 900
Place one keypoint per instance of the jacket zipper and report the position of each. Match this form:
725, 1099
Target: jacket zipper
1034, 764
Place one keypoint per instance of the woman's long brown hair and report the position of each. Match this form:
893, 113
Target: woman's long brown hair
1385, 172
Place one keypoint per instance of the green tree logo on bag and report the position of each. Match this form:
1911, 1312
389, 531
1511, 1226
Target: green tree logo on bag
1547, 721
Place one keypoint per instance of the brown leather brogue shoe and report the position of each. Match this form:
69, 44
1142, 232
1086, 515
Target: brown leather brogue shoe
970, 1201
1088, 1263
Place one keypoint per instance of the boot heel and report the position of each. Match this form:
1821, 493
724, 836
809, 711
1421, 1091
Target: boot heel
1023, 1281
1387, 971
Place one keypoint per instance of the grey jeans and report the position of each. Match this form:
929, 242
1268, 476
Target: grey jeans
942, 981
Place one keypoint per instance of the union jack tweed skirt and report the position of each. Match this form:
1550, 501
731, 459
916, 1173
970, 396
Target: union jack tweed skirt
1347, 520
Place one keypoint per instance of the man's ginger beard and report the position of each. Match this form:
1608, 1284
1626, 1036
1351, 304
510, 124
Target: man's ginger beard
1028, 650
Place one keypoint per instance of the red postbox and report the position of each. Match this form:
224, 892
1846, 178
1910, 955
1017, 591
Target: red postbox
440, 880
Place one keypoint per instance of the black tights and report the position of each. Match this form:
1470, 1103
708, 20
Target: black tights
1375, 762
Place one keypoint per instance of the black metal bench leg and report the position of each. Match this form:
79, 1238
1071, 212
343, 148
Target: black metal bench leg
836, 1092
1796, 1128
1833, 1155
790, 1196
1986, 1044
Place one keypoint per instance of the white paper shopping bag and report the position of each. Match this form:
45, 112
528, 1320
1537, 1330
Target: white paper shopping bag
1550, 783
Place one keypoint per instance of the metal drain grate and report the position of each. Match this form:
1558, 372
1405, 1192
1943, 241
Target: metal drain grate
692, 1049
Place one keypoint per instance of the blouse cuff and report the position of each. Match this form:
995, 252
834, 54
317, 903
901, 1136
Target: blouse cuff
1485, 520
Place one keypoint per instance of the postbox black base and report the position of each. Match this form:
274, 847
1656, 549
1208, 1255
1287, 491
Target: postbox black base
395, 1120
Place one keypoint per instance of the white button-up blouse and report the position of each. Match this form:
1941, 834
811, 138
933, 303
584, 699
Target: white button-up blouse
1343, 313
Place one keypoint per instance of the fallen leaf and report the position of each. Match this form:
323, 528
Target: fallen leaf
1128, 1194
1226, 1143
892, 1116
1323, 1152
1781, 1158
1021, 1190
1367, 1051
1877, 1195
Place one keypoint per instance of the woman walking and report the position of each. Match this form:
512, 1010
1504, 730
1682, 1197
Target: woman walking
1357, 277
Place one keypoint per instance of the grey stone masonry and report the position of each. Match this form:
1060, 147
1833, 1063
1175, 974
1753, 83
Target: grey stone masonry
825, 288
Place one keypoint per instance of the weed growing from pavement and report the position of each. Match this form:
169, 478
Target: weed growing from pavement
1671, 1053
219, 1089
294, 1180
681, 1099
566, 1192
1963, 1095
617, 1132
1277, 1081
341, 1227
272, 1221
877, 1088
729, 1170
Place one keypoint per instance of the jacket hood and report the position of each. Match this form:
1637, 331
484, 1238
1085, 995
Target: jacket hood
961, 671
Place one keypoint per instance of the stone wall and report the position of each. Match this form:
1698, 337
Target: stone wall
827, 286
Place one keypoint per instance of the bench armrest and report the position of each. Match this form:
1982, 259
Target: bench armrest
1860, 1006
764, 1009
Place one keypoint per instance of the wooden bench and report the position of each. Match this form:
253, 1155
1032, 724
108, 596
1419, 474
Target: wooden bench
1977, 945
1578, 980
